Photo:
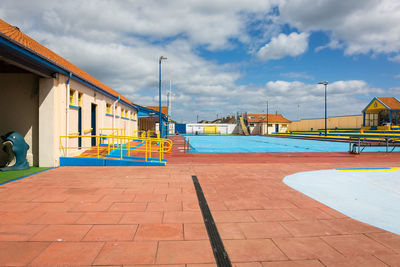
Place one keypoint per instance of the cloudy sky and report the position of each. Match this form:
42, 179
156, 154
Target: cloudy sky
226, 56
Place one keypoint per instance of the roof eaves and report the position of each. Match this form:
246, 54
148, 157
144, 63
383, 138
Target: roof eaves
59, 68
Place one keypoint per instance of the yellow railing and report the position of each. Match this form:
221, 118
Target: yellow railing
151, 148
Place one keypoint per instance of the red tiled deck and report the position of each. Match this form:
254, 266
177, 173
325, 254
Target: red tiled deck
133, 216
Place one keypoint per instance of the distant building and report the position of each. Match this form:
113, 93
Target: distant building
276, 123
381, 112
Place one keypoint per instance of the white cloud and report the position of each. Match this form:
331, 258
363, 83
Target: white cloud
296, 75
344, 97
363, 26
119, 43
284, 45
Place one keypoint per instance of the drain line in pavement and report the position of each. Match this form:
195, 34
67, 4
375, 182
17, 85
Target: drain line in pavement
220, 254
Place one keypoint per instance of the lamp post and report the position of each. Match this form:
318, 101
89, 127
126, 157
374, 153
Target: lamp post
159, 96
325, 83
267, 116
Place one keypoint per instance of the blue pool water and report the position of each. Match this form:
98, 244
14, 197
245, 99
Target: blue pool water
252, 144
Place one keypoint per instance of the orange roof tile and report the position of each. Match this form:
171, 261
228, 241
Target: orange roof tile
391, 102
271, 118
164, 110
28, 43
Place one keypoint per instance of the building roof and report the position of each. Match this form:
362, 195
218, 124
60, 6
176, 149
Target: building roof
390, 102
26, 42
164, 110
272, 118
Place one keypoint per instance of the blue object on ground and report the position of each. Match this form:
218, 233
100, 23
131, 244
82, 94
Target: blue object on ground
16, 147
370, 196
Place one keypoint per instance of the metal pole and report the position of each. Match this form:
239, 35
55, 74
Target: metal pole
325, 110
159, 98
267, 117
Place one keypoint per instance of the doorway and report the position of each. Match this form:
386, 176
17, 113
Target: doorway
277, 128
93, 123
80, 127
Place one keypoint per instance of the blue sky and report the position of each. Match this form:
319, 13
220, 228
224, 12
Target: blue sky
227, 56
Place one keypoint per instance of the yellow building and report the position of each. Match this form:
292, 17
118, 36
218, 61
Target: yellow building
382, 111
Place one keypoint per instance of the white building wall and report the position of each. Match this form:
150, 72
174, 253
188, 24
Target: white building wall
223, 128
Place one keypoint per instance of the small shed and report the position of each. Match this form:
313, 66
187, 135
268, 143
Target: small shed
382, 111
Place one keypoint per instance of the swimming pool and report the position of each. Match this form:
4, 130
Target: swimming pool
254, 144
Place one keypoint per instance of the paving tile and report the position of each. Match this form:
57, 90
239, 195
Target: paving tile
127, 207
243, 205
100, 218
19, 217
365, 261
118, 198
195, 231
230, 231
18, 232
217, 205
271, 215
159, 232
334, 213
304, 248
57, 218
308, 228
182, 217
351, 245
246, 264
201, 265
253, 250
127, 253
173, 252
164, 206
263, 230
151, 265
308, 214
278, 204
141, 197
181, 197
387, 239
84, 198
350, 226
300, 263
68, 254
111, 233
62, 233
20, 253
192, 206
141, 217
90, 206
54, 207
232, 216
51, 197
390, 259
18, 206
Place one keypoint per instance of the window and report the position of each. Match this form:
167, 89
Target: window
262, 117
71, 97
80, 99
252, 117
108, 108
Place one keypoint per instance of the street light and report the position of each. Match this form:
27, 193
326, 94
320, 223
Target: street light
159, 95
267, 116
325, 83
